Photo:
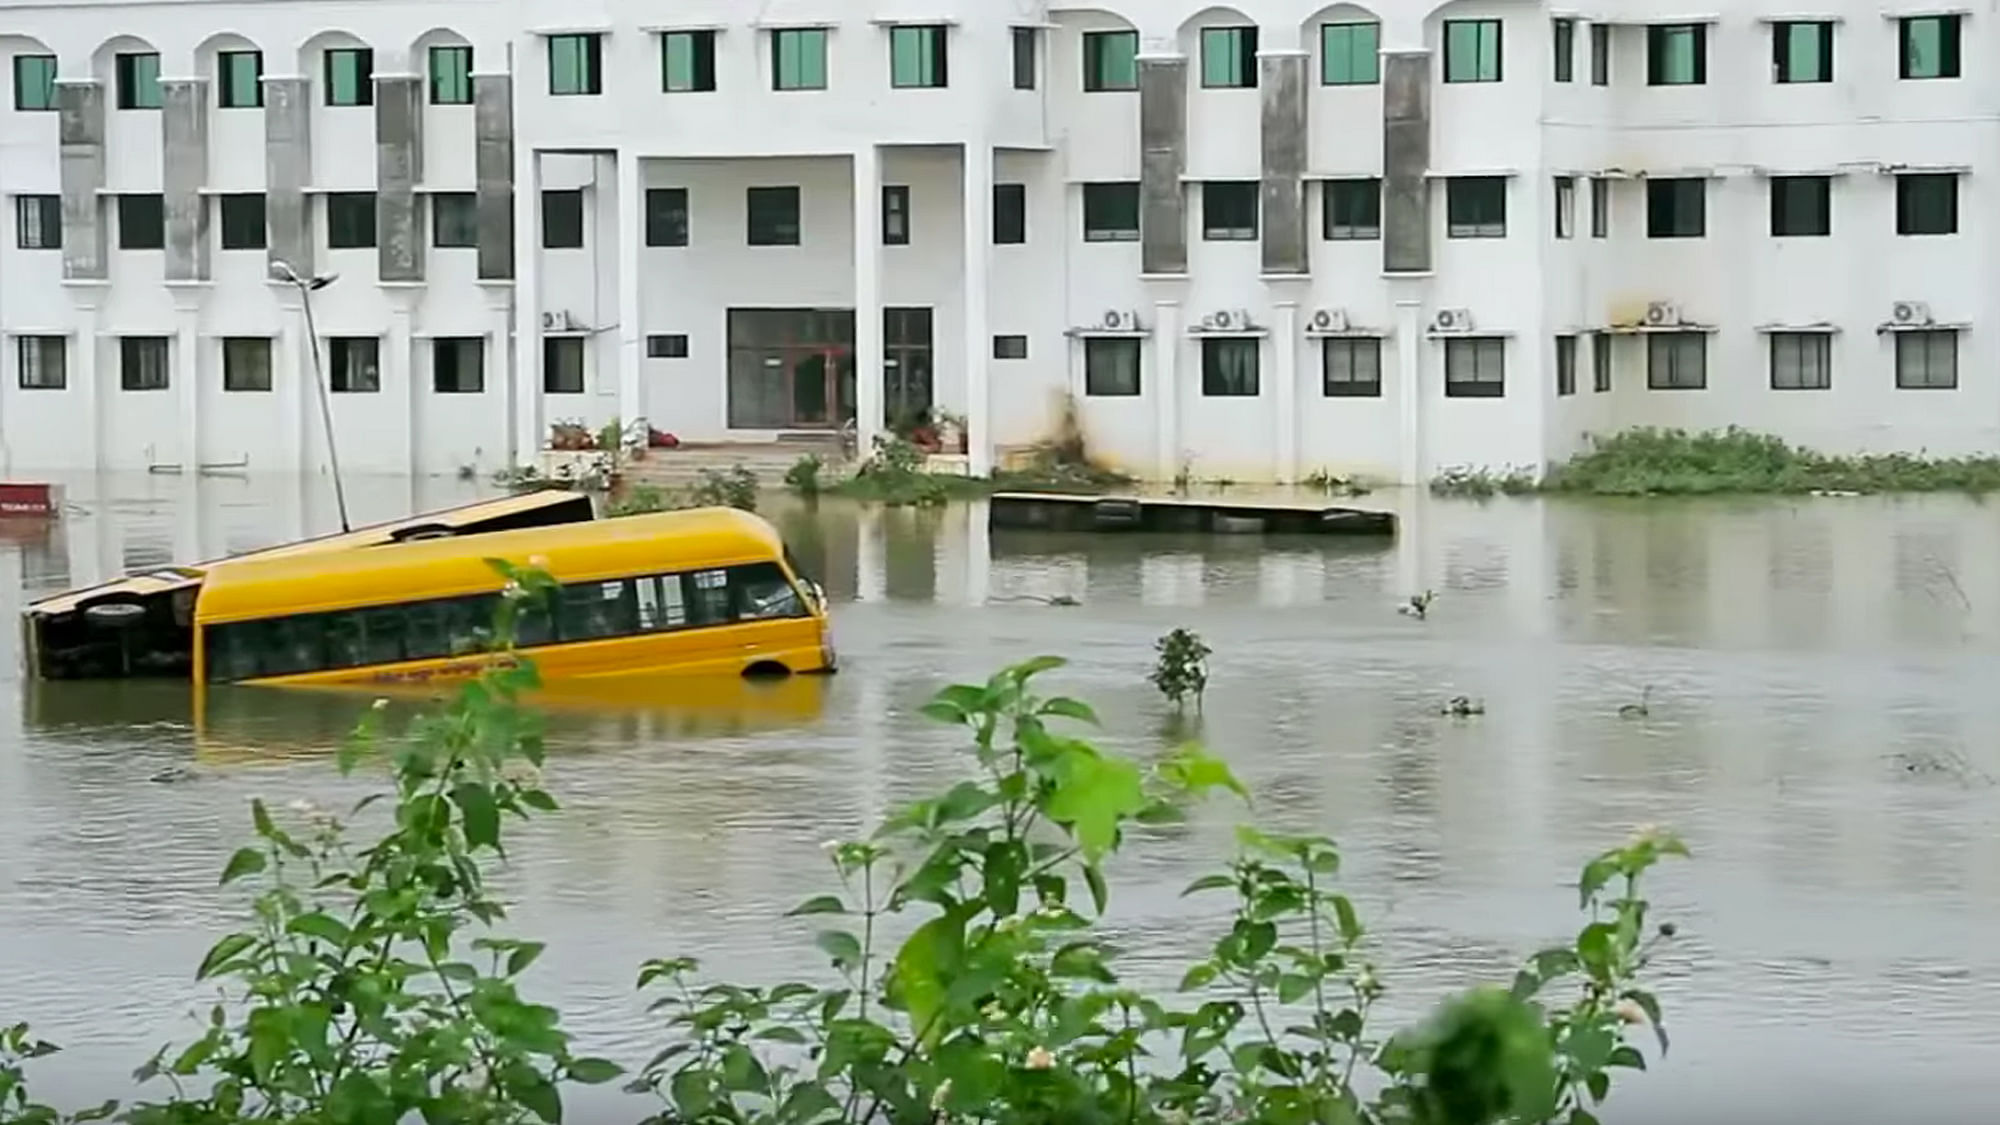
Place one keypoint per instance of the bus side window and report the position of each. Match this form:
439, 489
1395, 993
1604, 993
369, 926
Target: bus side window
708, 597
292, 645
595, 610
425, 635
469, 624
763, 593
535, 623
662, 603
231, 652
382, 635
344, 645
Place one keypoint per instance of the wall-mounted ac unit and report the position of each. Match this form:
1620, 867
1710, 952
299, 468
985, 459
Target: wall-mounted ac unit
1329, 320
1226, 320
1662, 314
1119, 320
561, 321
1452, 320
1911, 312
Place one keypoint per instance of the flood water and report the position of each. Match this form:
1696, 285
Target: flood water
1821, 729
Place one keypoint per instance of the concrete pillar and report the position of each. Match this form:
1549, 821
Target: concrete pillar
399, 373
85, 253
527, 200
1282, 86
1162, 162
868, 390
399, 167
1406, 159
500, 360
494, 168
184, 158
871, 563
292, 380
82, 360
1165, 388
978, 552
631, 329
288, 171
1410, 347
978, 273
185, 371
1285, 406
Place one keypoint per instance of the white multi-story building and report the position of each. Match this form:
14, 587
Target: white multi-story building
1256, 240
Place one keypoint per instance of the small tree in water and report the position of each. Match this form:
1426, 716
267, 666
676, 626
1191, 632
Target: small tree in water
1182, 669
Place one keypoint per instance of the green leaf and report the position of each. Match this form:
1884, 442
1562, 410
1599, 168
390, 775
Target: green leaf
246, 861
1100, 895
1034, 666
781, 1034
1649, 1004
260, 819
821, 904
1069, 709
1095, 795
537, 1093
1627, 1056
843, 947
481, 817
940, 711
1209, 883
1002, 871
523, 956
1593, 949
1599, 1085
319, 925
925, 967
539, 799
1350, 924
594, 1072
1196, 771
1292, 986
1198, 976
222, 953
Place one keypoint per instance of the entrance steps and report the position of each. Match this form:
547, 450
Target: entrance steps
769, 460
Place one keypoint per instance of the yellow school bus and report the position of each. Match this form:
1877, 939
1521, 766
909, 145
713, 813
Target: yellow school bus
705, 592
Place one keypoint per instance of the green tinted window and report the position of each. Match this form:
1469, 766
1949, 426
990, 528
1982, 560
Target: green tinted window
1350, 54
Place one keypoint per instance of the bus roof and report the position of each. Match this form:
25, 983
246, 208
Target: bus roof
462, 519
702, 537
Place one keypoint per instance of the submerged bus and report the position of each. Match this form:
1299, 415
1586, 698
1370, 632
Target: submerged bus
704, 592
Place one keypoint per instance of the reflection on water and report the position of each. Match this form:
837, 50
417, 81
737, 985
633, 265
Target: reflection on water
1800, 656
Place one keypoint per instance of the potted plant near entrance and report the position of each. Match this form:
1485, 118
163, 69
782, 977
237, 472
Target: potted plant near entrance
950, 432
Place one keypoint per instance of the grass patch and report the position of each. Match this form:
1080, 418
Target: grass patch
1654, 462
896, 476
1468, 483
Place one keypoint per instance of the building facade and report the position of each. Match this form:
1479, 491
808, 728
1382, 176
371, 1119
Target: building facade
1255, 241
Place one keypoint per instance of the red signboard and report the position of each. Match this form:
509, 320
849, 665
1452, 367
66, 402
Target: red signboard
22, 498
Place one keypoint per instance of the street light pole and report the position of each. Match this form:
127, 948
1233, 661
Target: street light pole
307, 286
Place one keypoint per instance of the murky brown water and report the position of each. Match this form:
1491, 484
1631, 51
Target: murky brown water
1821, 730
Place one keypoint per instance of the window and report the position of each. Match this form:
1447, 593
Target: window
1110, 366
242, 220
1010, 347
1565, 206
142, 222
1600, 207
1351, 210
1929, 48
43, 366
1600, 362
1351, 367
1229, 210
562, 219
687, 62
354, 364
239, 79
1110, 60
1563, 35
1677, 361
1475, 207
1027, 43
246, 363
38, 222
1677, 54
1475, 367
576, 64
1801, 206
666, 216
1802, 51
562, 365
917, 57
1472, 50
350, 76
1111, 212
1010, 214
895, 215
454, 220
1229, 366
908, 362
142, 363
34, 82
671, 345
138, 81
451, 75
1801, 361
773, 215
1600, 54
1229, 58
1927, 360
798, 58
1676, 208
458, 365
350, 220
1565, 365
1350, 54
1927, 203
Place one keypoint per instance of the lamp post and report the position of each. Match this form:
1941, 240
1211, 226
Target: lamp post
307, 286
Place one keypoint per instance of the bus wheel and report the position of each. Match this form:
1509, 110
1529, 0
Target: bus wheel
766, 670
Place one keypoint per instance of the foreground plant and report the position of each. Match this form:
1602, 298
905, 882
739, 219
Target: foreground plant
1181, 670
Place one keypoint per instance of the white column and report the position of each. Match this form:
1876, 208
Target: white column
291, 381
1410, 385
1165, 387
631, 333
499, 370
185, 377
871, 562
528, 435
978, 551
82, 363
868, 391
1285, 342
399, 375
978, 335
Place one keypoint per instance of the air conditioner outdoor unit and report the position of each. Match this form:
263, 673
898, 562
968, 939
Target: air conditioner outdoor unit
1453, 320
1910, 312
1329, 320
1119, 320
1221, 320
558, 322
1662, 314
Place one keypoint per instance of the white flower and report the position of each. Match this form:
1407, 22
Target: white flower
1039, 1058
939, 1095
381, 703
1630, 1012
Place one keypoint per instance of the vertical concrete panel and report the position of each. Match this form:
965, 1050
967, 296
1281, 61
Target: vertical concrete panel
493, 157
81, 125
399, 152
1162, 161
1406, 157
1282, 84
184, 131
287, 170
